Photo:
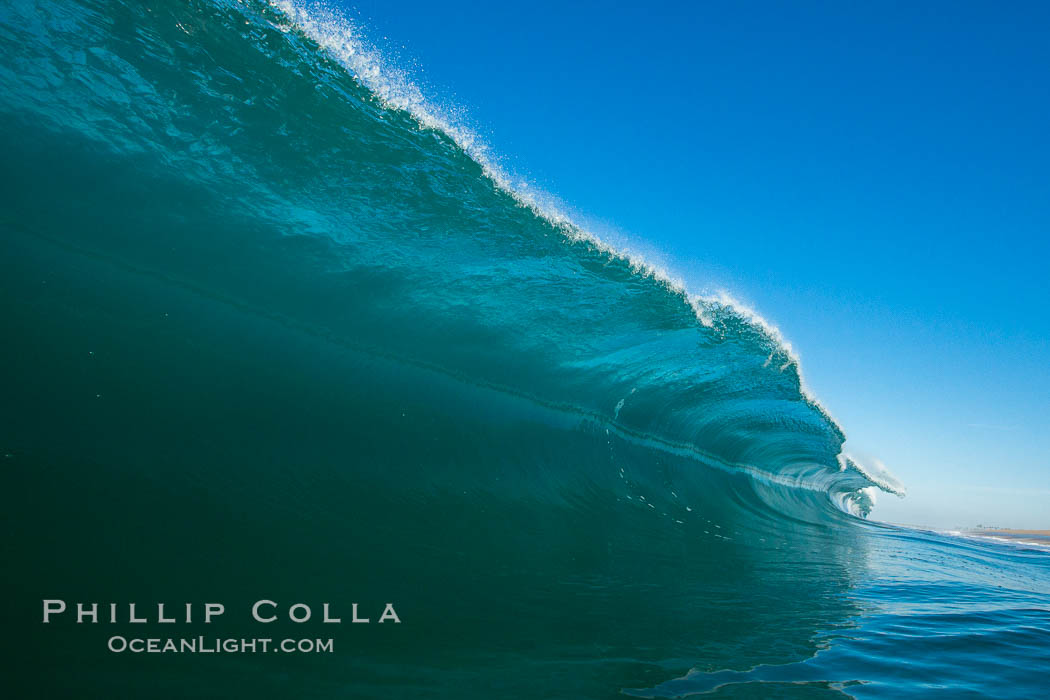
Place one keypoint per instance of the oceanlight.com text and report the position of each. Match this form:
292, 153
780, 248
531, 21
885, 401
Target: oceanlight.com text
215, 645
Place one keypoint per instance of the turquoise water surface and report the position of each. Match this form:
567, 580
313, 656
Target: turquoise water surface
274, 331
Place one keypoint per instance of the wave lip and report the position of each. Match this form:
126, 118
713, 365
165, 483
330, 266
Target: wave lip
344, 41
340, 38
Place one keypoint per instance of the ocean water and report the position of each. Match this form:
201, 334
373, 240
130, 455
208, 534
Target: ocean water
274, 328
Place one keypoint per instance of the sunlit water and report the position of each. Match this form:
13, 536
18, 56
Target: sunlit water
267, 334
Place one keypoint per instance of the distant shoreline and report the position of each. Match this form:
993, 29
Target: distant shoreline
1008, 533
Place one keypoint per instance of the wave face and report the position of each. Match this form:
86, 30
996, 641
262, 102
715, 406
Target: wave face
280, 329
429, 257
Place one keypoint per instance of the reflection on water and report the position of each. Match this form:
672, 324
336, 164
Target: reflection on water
940, 616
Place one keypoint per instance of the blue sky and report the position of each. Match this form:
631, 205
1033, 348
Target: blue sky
873, 180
